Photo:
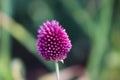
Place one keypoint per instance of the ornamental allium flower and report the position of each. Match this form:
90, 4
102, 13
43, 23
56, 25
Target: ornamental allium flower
52, 41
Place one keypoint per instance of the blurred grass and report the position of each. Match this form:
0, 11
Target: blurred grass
101, 42
98, 30
5, 46
80, 16
5, 72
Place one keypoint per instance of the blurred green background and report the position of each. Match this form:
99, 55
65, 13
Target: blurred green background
92, 25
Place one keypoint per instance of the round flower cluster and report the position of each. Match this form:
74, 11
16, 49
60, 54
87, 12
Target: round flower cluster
52, 41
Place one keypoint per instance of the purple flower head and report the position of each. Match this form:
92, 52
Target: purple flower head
52, 41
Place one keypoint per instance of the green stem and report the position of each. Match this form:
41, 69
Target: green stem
57, 71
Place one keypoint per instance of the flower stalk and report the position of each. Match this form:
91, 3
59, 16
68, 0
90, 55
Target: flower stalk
57, 70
